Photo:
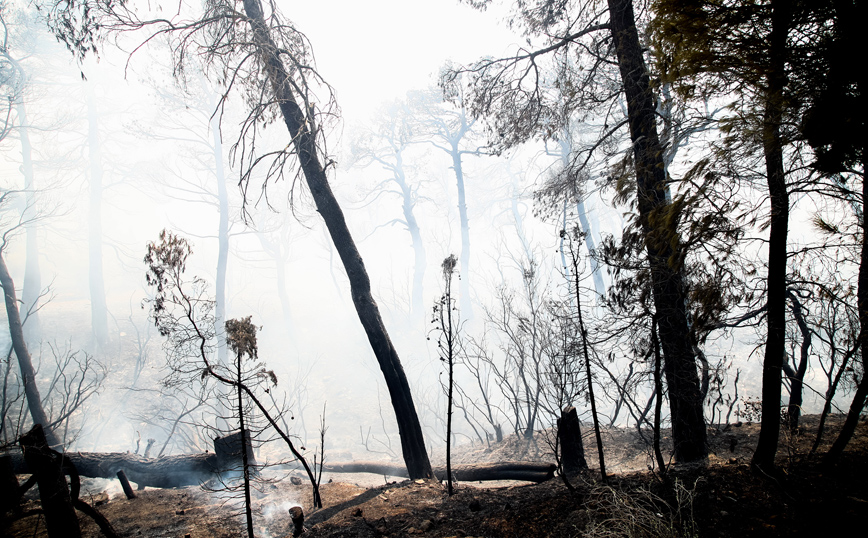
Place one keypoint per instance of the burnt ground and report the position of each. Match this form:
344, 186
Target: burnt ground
724, 498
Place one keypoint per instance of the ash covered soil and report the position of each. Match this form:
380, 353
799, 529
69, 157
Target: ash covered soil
724, 498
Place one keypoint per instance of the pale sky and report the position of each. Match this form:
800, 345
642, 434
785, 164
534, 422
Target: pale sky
371, 52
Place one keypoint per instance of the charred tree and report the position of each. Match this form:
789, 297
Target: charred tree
570, 438
797, 376
776, 287
19, 344
848, 29
303, 139
661, 241
61, 520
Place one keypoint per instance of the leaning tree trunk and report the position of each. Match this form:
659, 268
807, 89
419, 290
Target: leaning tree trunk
303, 139
773, 361
28, 375
662, 242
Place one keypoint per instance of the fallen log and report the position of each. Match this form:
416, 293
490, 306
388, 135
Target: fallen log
373, 467
475, 472
507, 470
194, 469
164, 472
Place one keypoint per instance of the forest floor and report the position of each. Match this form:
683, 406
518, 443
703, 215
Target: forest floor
723, 498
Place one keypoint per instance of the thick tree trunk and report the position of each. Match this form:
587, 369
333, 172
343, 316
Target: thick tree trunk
32, 286
409, 428
163, 472
767, 445
849, 19
662, 241
530, 471
61, 520
570, 438
98, 309
28, 375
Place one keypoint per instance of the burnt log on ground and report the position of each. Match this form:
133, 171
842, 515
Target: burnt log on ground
192, 470
510, 470
164, 472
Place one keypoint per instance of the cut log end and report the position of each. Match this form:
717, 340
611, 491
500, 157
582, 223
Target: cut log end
297, 516
125, 484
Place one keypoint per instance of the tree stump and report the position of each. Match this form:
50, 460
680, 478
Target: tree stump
570, 437
297, 516
61, 520
228, 451
125, 483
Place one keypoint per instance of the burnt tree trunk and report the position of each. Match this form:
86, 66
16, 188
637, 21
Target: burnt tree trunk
28, 375
164, 472
849, 17
125, 485
773, 361
797, 376
304, 142
191, 470
570, 438
61, 520
661, 239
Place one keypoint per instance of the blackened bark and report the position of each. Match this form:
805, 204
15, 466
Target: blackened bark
767, 445
849, 20
245, 464
125, 485
658, 400
162, 472
61, 520
10, 496
583, 332
797, 376
409, 428
28, 375
570, 438
662, 244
